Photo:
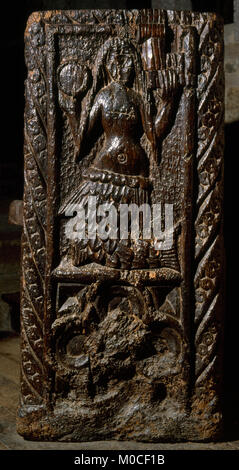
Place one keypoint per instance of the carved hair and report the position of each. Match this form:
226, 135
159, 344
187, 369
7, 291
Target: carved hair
118, 45
101, 79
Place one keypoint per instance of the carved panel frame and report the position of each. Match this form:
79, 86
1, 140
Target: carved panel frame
202, 264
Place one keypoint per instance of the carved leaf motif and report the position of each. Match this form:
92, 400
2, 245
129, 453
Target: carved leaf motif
34, 226
208, 279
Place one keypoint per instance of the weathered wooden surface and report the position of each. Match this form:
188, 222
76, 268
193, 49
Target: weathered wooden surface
10, 440
120, 340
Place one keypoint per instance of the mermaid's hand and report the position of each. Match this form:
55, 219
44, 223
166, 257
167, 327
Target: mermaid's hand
67, 102
165, 101
169, 84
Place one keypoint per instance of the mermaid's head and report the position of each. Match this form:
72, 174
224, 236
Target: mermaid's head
119, 61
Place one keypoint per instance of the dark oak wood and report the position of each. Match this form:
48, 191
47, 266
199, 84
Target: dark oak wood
120, 340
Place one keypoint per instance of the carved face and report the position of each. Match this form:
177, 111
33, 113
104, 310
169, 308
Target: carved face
120, 66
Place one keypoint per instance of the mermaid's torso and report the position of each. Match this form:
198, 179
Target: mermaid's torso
118, 175
121, 121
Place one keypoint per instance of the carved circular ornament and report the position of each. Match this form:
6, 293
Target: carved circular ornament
122, 158
73, 77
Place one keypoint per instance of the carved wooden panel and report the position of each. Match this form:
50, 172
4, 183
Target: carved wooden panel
121, 337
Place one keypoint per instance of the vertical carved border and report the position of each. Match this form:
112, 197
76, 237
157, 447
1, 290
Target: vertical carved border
208, 277
209, 248
34, 222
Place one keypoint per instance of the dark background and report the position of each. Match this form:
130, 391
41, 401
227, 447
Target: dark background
13, 73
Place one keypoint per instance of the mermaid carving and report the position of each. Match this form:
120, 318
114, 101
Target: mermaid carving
119, 174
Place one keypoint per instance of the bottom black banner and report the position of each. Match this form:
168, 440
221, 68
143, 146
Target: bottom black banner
104, 459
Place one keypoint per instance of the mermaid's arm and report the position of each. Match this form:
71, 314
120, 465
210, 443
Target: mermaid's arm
147, 122
85, 133
69, 105
95, 113
163, 119
168, 88
80, 128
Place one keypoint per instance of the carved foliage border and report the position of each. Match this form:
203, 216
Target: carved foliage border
209, 256
34, 225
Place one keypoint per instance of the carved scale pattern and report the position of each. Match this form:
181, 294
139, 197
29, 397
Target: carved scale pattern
208, 223
33, 238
